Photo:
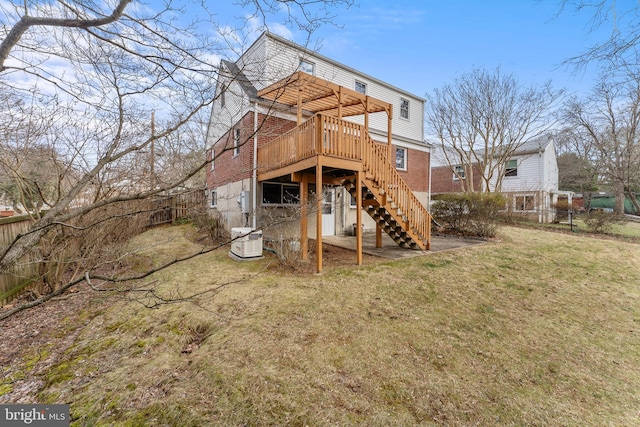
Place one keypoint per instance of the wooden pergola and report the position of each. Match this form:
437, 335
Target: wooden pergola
314, 95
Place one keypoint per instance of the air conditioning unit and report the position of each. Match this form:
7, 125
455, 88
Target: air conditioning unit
246, 243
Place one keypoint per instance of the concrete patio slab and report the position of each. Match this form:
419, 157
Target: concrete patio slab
391, 250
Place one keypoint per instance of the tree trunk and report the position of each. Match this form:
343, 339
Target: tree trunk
618, 207
634, 200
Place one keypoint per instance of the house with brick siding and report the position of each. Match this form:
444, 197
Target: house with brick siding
529, 179
302, 145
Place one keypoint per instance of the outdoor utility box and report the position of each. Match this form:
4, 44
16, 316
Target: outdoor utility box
246, 243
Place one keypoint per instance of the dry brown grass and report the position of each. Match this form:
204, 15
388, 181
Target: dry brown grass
537, 328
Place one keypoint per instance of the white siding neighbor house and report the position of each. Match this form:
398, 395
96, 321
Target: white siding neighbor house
529, 179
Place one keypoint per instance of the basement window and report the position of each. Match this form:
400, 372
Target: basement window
526, 202
280, 194
214, 198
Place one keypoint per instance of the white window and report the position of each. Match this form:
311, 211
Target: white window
307, 67
214, 198
401, 158
222, 96
361, 87
352, 202
525, 202
236, 142
276, 193
459, 172
512, 168
404, 108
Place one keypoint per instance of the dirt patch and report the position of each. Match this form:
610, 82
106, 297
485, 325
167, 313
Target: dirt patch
42, 334
37, 337
332, 257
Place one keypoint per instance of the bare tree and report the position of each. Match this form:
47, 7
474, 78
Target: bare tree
608, 122
482, 118
620, 47
107, 67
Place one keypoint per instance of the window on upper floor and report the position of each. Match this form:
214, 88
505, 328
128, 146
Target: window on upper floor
459, 172
307, 67
361, 87
222, 96
511, 168
404, 108
236, 142
401, 158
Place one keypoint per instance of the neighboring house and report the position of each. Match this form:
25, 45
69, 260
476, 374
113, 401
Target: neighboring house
288, 123
530, 181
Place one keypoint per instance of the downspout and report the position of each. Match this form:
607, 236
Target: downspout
429, 189
543, 198
254, 184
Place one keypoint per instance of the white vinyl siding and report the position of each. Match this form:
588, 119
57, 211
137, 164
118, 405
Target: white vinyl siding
222, 118
528, 178
284, 60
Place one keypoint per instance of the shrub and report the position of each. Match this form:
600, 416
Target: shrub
600, 221
210, 223
469, 213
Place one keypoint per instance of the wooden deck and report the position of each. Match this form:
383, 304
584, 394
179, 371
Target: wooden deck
347, 147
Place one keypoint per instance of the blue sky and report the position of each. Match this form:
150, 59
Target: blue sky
422, 45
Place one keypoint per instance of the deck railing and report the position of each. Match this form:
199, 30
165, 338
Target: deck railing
375, 161
334, 137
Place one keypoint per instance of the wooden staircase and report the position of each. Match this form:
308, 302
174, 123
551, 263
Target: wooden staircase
389, 201
387, 198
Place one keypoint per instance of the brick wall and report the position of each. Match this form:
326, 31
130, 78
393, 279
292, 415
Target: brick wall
443, 181
231, 168
417, 174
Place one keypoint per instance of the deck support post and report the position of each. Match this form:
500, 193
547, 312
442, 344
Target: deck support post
359, 217
304, 217
378, 236
319, 214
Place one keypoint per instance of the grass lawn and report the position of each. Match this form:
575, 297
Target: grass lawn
535, 328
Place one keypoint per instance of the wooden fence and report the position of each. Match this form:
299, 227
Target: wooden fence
17, 280
164, 210
172, 208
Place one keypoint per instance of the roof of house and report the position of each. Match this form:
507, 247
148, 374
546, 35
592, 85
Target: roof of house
236, 74
532, 146
334, 62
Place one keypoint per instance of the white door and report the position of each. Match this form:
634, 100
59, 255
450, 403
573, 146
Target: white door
328, 211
